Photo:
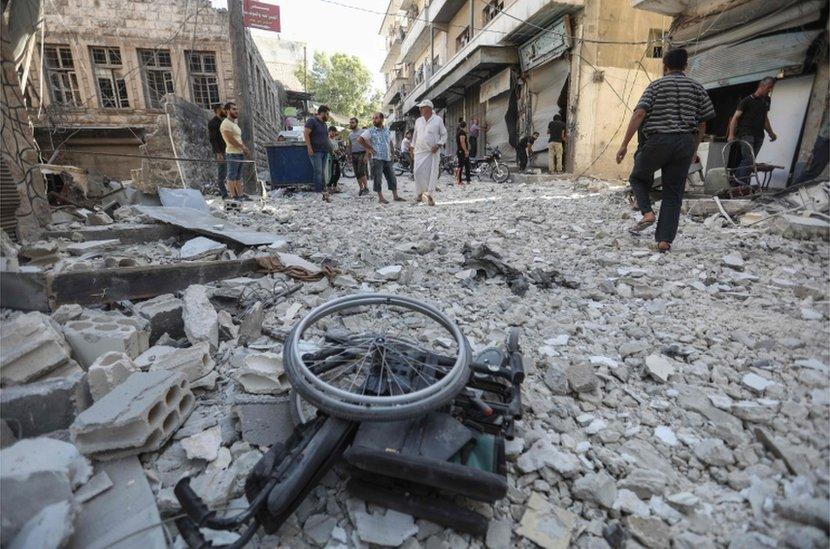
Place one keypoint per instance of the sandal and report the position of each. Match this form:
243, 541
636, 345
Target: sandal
640, 226
664, 250
430, 200
399, 199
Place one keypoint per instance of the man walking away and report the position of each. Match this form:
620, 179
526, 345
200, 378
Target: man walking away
673, 112
462, 152
429, 137
358, 155
748, 123
377, 141
475, 129
235, 150
557, 136
217, 144
524, 149
318, 146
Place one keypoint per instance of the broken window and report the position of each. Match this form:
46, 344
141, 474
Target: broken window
204, 83
61, 75
158, 75
462, 39
656, 38
492, 9
109, 77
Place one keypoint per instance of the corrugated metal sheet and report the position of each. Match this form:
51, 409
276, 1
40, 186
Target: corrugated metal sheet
9, 200
752, 60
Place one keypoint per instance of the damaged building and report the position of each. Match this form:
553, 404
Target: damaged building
136, 78
732, 45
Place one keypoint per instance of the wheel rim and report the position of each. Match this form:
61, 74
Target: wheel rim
364, 357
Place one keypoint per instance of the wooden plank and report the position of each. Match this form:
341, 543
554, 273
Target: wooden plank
127, 234
110, 285
23, 291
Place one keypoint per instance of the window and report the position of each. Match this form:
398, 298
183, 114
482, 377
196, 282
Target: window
656, 39
109, 77
204, 83
60, 73
158, 75
462, 39
492, 9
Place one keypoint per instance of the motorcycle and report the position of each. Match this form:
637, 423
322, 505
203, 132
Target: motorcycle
490, 165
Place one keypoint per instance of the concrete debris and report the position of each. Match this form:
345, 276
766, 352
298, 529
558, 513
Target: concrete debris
388, 530
98, 484
30, 348
204, 445
164, 313
660, 368
201, 248
263, 424
35, 473
138, 416
45, 406
90, 338
546, 525
262, 374
195, 362
251, 326
49, 529
201, 323
108, 371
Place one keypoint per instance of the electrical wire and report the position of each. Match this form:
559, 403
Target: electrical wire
156, 157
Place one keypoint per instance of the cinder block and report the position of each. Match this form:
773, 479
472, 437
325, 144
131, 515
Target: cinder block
95, 336
194, 362
138, 416
30, 347
164, 314
44, 406
107, 372
35, 473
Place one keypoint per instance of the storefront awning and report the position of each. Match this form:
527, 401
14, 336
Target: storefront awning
752, 60
477, 67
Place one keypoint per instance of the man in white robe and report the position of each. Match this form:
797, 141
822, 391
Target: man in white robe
428, 139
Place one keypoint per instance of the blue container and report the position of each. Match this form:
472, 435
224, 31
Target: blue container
289, 165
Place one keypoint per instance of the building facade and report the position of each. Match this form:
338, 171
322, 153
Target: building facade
101, 82
514, 64
732, 45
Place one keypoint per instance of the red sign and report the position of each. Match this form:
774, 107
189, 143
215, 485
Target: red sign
259, 15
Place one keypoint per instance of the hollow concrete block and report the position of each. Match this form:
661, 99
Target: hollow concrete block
30, 348
107, 372
92, 337
164, 314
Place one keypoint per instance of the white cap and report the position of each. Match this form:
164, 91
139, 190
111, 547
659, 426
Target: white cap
425, 103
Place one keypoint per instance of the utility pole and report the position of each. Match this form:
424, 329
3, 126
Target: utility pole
243, 87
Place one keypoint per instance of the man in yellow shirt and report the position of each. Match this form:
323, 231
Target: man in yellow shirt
235, 151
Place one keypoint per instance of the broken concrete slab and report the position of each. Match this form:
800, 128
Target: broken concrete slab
802, 228
138, 416
201, 248
90, 338
545, 524
201, 322
659, 367
264, 424
125, 516
389, 530
49, 529
91, 246
251, 326
108, 371
204, 223
34, 473
45, 406
164, 313
262, 374
183, 198
195, 362
98, 484
30, 347
204, 445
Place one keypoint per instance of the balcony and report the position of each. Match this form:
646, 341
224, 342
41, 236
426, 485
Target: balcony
417, 39
665, 7
397, 90
442, 11
393, 48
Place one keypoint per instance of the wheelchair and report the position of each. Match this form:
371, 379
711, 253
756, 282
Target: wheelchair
387, 386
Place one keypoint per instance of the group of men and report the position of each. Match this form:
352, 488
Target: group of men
375, 146
226, 142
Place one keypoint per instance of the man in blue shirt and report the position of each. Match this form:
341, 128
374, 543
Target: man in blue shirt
316, 135
377, 141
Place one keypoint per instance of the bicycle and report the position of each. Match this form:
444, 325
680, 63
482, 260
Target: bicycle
389, 384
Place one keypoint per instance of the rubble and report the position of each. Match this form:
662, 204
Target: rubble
45, 406
262, 374
164, 313
108, 371
30, 348
201, 323
92, 337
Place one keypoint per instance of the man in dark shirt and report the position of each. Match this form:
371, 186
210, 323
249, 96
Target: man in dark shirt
316, 134
524, 149
217, 144
748, 123
556, 137
462, 152
673, 112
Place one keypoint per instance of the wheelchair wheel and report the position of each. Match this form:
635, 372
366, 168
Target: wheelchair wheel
299, 409
376, 357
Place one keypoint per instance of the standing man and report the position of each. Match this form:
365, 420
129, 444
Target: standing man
334, 160
217, 144
358, 155
462, 152
406, 150
377, 141
473, 135
525, 149
748, 123
318, 146
429, 137
235, 150
557, 136
673, 112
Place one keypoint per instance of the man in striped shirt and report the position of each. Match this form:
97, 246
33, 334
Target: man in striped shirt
672, 114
